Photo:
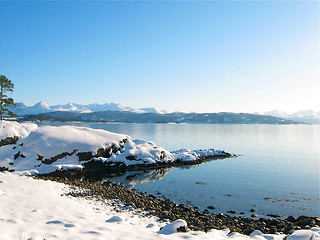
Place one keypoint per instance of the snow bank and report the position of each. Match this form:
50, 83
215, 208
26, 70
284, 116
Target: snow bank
14, 129
37, 209
47, 149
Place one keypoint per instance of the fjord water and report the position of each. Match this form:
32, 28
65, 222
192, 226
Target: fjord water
277, 171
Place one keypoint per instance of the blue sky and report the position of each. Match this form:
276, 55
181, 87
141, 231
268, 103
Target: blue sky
209, 56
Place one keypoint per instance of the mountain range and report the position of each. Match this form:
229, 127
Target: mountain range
114, 111
306, 116
41, 107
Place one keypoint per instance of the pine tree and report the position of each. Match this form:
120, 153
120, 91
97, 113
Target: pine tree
5, 86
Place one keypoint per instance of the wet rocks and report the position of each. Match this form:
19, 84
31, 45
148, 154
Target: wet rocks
273, 215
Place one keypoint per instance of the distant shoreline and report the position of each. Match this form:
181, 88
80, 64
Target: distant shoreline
177, 117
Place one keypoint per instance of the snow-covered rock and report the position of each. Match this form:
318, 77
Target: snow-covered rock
179, 225
193, 155
305, 235
141, 152
49, 148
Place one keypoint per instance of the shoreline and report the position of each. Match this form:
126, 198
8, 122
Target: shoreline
167, 209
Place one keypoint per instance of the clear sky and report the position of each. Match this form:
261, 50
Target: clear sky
209, 56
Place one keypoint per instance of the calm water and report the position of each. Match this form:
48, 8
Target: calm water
277, 172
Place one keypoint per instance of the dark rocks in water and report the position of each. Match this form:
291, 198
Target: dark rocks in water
211, 207
232, 212
199, 183
206, 211
273, 215
253, 210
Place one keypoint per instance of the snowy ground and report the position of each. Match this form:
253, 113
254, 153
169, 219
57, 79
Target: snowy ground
36, 210
14, 129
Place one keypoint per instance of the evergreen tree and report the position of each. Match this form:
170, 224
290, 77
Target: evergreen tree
5, 86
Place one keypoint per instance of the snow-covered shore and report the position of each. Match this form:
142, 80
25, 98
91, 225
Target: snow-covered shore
36, 209
47, 149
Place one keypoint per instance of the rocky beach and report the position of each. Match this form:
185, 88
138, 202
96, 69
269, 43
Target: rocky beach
166, 209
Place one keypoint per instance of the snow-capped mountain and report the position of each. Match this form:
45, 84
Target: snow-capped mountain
21, 109
152, 110
70, 107
277, 113
306, 116
111, 107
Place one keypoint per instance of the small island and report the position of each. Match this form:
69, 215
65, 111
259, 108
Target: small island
49, 149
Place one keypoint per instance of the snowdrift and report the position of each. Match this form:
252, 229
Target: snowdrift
14, 129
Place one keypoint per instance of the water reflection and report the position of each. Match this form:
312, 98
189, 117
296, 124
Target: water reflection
129, 179
132, 178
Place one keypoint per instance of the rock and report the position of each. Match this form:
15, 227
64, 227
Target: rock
273, 215
166, 209
176, 226
232, 212
206, 211
291, 219
114, 219
253, 210
273, 230
211, 207
256, 233
8, 140
254, 215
